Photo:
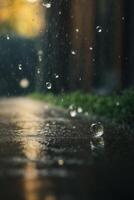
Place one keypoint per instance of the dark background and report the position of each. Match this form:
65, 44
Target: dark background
103, 61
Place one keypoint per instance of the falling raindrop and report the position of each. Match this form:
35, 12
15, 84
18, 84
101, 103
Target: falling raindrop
20, 66
61, 162
56, 76
99, 29
97, 132
77, 30
24, 83
47, 5
73, 52
59, 12
48, 85
8, 38
40, 55
79, 110
90, 48
117, 103
73, 113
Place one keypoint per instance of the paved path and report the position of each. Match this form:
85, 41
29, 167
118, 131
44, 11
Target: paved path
45, 155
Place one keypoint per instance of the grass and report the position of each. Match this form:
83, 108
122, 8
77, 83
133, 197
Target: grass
119, 108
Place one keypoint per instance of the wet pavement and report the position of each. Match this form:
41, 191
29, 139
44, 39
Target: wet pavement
45, 154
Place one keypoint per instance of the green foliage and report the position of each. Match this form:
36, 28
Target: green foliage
119, 108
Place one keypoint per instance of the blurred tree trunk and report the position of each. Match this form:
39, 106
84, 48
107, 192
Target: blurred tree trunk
128, 69
82, 43
56, 45
109, 45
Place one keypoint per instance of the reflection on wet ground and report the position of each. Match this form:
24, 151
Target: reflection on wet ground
46, 155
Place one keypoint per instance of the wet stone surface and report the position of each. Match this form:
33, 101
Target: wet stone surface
45, 154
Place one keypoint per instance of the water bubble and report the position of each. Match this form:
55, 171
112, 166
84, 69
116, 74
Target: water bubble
97, 132
47, 5
48, 85
99, 29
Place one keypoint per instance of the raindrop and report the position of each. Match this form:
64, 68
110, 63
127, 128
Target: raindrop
8, 38
61, 162
38, 71
73, 113
59, 12
48, 85
24, 83
73, 52
117, 103
71, 107
40, 54
56, 76
97, 132
47, 5
99, 29
20, 66
90, 48
79, 110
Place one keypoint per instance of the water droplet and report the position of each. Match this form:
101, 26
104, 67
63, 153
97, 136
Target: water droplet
79, 110
56, 76
117, 103
24, 83
97, 132
47, 5
91, 48
48, 85
38, 71
99, 29
71, 107
59, 12
73, 52
8, 38
20, 66
77, 30
61, 162
73, 113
